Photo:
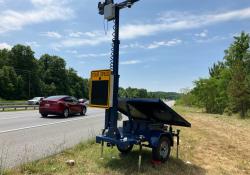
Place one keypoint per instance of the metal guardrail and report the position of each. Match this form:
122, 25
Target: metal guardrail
12, 103
15, 107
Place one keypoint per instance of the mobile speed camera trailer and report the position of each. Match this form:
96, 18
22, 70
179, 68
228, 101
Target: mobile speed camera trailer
149, 121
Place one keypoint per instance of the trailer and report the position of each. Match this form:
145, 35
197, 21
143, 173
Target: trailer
150, 121
149, 124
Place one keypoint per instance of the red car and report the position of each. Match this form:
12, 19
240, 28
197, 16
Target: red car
61, 105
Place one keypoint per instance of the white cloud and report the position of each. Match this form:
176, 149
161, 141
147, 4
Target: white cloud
5, 46
172, 42
154, 45
76, 34
171, 21
211, 39
32, 44
130, 62
74, 42
43, 11
93, 55
52, 35
203, 34
133, 45
175, 21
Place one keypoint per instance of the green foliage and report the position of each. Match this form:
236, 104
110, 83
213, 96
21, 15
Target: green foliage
237, 58
187, 98
143, 93
22, 76
227, 89
10, 83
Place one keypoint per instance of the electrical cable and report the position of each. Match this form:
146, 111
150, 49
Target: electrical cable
112, 49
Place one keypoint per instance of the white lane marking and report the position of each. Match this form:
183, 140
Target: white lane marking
47, 124
9, 118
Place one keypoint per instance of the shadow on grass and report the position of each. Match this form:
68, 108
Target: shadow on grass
128, 164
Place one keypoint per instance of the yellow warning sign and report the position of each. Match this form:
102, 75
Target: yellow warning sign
100, 75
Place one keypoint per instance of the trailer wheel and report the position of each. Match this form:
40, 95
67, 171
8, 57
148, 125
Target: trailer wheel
162, 151
125, 150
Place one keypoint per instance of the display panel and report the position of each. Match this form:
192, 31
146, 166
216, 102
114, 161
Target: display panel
99, 94
100, 89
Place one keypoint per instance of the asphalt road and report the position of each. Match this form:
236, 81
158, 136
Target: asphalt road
25, 136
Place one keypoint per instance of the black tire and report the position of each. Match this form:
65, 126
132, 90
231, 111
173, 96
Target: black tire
66, 113
44, 115
84, 110
162, 151
125, 150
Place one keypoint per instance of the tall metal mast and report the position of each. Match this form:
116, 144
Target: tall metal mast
111, 12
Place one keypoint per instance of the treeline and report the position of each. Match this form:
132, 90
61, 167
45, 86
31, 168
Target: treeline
22, 76
227, 90
143, 93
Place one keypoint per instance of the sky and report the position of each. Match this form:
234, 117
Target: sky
165, 44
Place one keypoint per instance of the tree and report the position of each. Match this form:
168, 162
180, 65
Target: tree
22, 59
237, 58
52, 70
10, 83
4, 58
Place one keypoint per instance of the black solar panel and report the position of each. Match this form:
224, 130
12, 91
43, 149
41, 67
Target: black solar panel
153, 110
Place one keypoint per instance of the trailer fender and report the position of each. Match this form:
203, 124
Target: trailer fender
154, 139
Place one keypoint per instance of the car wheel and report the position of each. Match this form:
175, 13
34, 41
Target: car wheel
125, 150
37, 103
84, 110
162, 151
66, 113
44, 115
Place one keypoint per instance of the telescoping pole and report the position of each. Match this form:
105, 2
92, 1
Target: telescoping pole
113, 112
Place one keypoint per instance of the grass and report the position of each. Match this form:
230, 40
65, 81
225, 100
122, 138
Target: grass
12, 101
17, 110
214, 145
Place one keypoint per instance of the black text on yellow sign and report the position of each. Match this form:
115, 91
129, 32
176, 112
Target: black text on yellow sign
100, 75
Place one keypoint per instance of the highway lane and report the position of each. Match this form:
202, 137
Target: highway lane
25, 136
16, 120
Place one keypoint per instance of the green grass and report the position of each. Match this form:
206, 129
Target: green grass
12, 101
214, 145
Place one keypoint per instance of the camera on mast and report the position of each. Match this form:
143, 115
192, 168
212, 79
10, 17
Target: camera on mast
107, 8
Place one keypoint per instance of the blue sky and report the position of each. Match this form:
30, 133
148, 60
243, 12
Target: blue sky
165, 44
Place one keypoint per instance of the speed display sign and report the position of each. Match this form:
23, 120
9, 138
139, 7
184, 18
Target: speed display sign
101, 82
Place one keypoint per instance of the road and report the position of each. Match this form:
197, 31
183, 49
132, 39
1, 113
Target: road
25, 136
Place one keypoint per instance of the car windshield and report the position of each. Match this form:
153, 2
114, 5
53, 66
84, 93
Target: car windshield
36, 98
54, 97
